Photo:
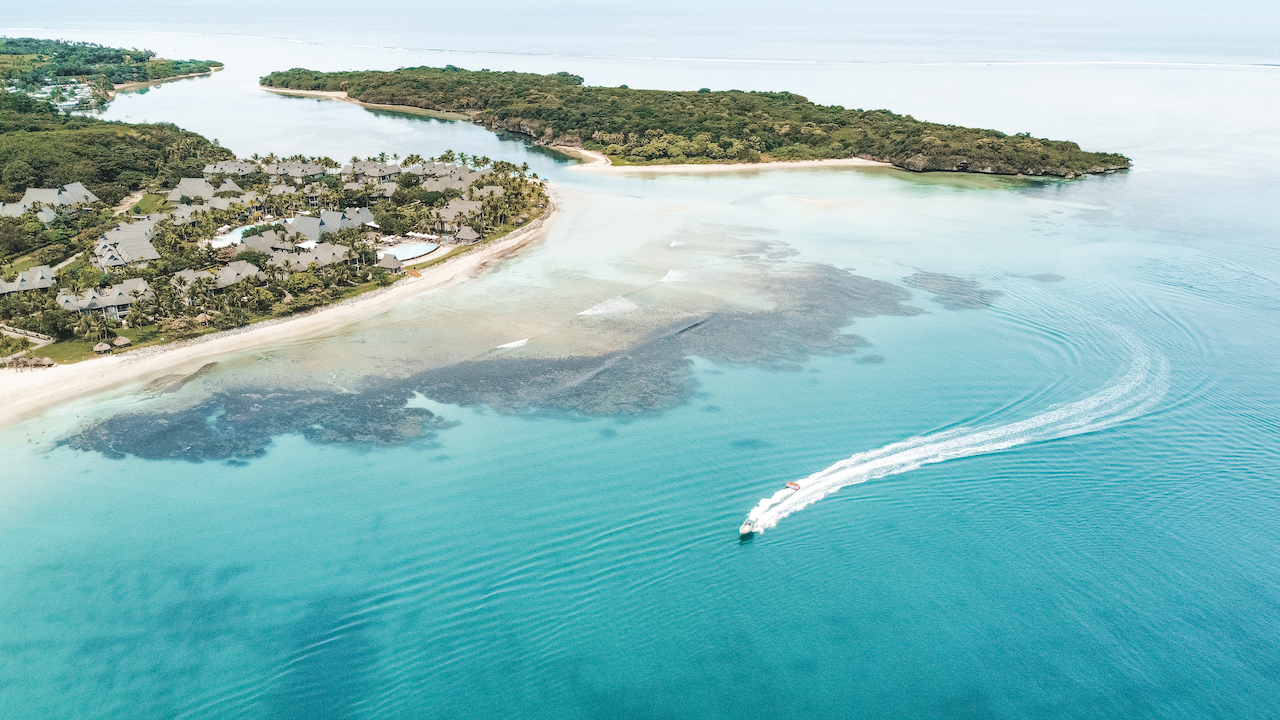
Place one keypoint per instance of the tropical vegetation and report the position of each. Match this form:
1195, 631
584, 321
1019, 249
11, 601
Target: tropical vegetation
657, 126
42, 147
34, 62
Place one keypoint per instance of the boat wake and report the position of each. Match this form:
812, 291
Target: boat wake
1131, 394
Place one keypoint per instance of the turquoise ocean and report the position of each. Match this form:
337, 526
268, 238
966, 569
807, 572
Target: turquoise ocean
1041, 417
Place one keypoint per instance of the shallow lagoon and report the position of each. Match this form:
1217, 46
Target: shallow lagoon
415, 523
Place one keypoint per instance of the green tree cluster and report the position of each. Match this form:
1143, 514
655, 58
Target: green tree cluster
41, 147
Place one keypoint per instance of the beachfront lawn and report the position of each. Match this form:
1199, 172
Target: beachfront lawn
26, 262
149, 204
67, 352
72, 351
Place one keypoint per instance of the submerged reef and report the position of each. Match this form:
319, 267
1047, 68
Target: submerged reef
809, 306
226, 425
953, 293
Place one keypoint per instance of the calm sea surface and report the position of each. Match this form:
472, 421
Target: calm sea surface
1042, 417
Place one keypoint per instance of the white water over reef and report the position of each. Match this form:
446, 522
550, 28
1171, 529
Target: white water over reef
1129, 396
612, 306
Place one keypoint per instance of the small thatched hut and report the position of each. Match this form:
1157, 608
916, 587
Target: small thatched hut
102, 348
122, 341
203, 319
390, 263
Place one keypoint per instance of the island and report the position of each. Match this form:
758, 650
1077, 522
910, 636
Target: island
85, 76
118, 236
653, 127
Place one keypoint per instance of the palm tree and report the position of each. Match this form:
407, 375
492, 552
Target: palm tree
75, 286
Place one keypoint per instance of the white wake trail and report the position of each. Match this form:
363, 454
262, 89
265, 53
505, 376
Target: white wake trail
1128, 396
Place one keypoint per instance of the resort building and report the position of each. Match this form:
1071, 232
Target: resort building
37, 278
267, 243
329, 221
114, 302
223, 277
63, 199
239, 168
371, 171
455, 211
391, 264
322, 254
235, 272
127, 244
192, 188
295, 171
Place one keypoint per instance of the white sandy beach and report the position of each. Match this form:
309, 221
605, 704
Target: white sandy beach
599, 163
26, 393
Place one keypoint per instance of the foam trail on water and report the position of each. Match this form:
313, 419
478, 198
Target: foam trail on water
1128, 396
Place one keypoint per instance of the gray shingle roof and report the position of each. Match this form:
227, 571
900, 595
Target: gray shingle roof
236, 271
192, 188
231, 167
115, 296
70, 195
126, 245
37, 278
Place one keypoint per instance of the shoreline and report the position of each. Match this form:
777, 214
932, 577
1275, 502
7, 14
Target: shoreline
31, 392
138, 85
593, 161
599, 163
341, 96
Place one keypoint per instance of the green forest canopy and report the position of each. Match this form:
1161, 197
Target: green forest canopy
32, 61
41, 147
658, 126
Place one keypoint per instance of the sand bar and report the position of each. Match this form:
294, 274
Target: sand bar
129, 86
599, 162
27, 393
343, 97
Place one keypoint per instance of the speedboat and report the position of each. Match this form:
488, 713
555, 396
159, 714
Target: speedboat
793, 486
748, 527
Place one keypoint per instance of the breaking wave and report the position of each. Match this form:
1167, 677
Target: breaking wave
1128, 396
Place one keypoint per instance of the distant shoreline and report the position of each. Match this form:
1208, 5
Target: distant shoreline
27, 393
126, 87
599, 162
342, 96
